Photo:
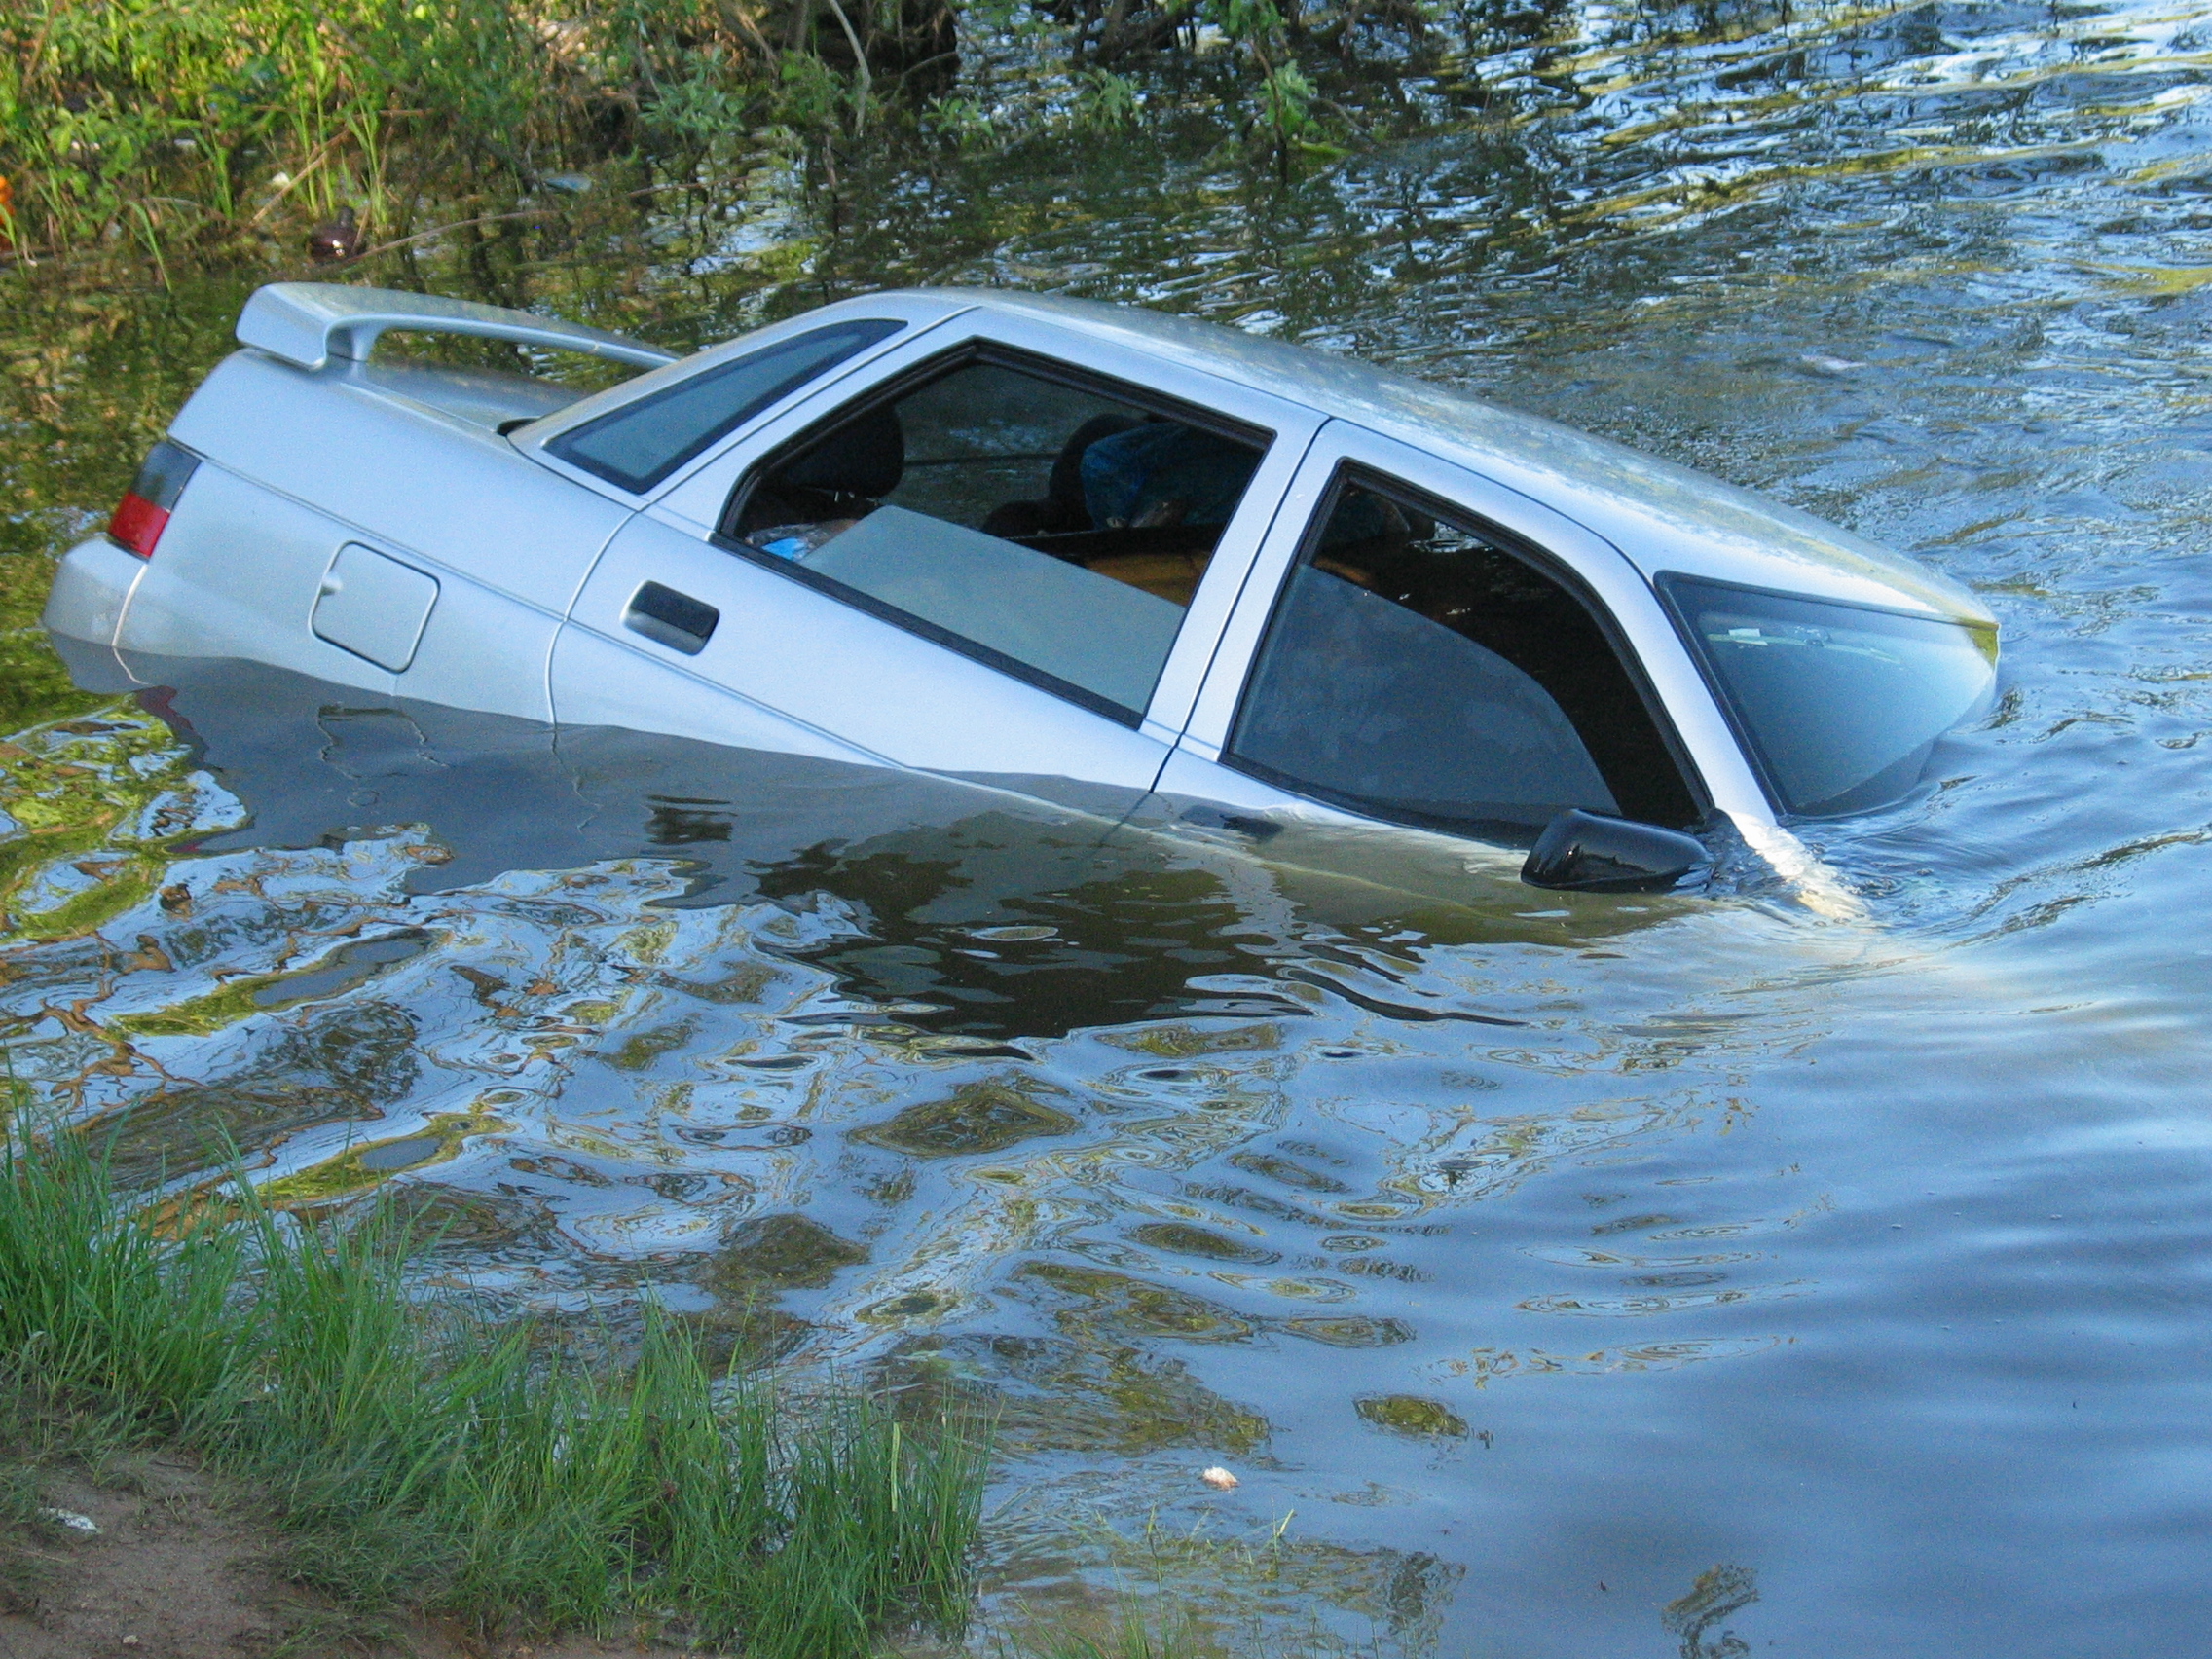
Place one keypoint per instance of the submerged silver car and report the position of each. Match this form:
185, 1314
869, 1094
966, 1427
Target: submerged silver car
1088, 554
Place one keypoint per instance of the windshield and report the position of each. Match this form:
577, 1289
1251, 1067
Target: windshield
1839, 705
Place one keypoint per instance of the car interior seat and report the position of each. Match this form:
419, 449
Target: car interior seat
844, 476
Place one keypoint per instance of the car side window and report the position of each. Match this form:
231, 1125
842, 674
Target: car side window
1422, 669
641, 444
1054, 526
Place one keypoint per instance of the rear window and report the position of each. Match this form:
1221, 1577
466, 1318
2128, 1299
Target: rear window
1839, 704
640, 444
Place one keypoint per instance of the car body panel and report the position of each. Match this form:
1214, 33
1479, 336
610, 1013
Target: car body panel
887, 693
417, 478
598, 681
240, 572
239, 575
786, 646
92, 591
483, 397
374, 606
527, 573
1661, 516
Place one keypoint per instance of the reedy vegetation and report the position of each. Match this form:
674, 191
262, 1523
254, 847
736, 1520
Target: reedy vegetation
428, 1460
209, 127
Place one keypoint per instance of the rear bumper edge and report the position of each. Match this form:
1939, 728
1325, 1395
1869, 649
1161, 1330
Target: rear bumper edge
92, 589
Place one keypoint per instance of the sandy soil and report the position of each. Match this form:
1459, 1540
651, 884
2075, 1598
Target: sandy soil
172, 1575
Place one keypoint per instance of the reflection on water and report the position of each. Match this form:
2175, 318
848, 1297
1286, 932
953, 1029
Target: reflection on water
1583, 1276
883, 1071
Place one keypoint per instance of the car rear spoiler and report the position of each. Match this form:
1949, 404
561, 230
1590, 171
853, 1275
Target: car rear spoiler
309, 323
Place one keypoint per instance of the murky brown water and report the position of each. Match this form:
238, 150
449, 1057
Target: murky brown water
1567, 1273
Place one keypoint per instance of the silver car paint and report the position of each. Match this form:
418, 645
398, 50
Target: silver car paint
1661, 516
303, 461
310, 324
786, 646
702, 502
92, 589
289, 478
238, 572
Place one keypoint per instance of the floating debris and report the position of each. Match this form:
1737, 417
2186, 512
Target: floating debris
338, 239
1220, 1478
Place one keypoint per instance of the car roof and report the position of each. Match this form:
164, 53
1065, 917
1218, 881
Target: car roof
1661, 517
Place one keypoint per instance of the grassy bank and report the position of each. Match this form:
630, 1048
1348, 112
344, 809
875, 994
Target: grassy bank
425, 1461
175, 129
179, 126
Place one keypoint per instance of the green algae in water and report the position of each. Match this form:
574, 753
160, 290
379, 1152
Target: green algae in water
117, 889
760, 1259
346, 968
1185, 1239
86, 844
980, 1117
1053, 1394
347, 1060
1213, 1590
372, 1162
743, 1337
906, 1307
1287, 1172
1347, 1331
1412, 1415
439, 1217
746, 983
1117, 1302
642, 1050
778, 1252
1188, 1041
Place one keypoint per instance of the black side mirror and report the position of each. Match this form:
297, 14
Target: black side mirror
1585, 853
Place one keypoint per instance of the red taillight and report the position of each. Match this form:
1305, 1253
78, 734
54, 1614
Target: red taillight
144, 511
138, 524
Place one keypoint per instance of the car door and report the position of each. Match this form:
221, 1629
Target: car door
1420, 645
933, 613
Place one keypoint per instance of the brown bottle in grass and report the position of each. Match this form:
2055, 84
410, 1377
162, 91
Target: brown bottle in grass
336, 239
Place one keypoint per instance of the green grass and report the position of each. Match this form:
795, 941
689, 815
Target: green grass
427, 1461
175, 131
180, 127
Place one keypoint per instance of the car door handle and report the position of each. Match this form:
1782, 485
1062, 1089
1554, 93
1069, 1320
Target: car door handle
670, 619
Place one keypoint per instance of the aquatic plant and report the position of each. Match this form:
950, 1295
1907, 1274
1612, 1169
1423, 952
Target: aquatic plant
174, 125
425, 1458
229, 127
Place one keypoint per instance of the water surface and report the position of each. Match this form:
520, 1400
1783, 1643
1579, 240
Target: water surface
1579, 1277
